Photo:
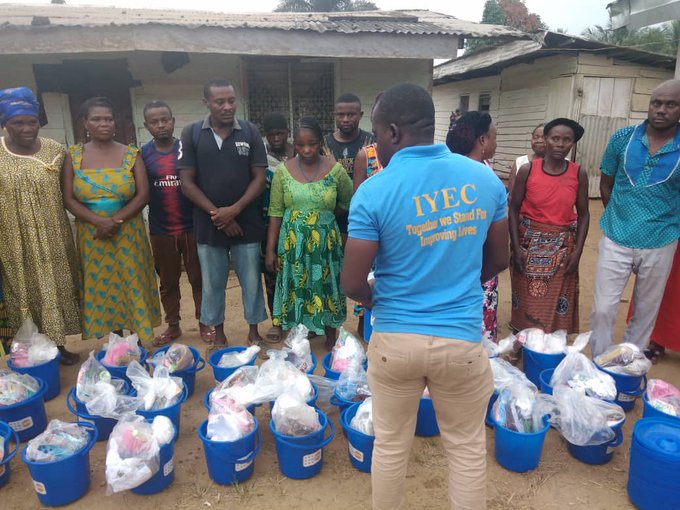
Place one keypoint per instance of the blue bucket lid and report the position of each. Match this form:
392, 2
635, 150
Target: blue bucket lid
660, 437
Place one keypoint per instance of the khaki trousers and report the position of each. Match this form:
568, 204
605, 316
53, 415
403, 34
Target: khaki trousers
459, 378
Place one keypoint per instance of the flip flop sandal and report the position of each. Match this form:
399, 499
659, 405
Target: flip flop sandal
207, 335
273, 337
164, 339
214, 347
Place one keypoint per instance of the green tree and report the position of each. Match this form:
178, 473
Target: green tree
324, 5
512, 13
657, 39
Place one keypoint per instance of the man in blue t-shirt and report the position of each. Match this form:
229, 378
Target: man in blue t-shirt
435, 224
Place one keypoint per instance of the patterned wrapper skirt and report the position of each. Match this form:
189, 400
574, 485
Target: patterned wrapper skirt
543, 296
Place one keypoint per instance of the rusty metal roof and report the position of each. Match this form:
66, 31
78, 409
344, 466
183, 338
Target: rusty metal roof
411, 22
493, 59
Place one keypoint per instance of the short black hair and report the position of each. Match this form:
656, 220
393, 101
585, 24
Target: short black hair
312, 124
214, 83
274, 120
407, 106
464, 133
348, 98
94, 102
156, 104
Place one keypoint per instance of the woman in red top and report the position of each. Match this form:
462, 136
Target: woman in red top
548, 221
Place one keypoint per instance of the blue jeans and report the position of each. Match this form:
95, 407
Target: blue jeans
215, 271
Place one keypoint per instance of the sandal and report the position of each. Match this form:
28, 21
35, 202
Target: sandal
166, 338
654, 352
273, 336
68, 358
207, 333
213, 348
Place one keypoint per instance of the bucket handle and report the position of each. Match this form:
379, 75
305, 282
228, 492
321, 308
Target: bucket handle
323, 443
71, 406
640, 391
334, 400
617, 440
93, 435
9, 456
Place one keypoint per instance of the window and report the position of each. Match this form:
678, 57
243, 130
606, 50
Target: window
464, 103
484, 102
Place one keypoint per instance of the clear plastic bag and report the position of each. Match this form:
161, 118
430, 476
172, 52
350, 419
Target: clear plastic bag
293, 417
59, 441
505, 374
91, 372
237, 359
353, 384
540, 341
277, 376
579, 373
133, 451
239, 386
505, 346
229, 421
520, 408
121, 351
325, 389
363, 419
157, 392
625, 358
30, 347
347, 350
107, 401
583, 420
298, 350
15, 387
663, 396
176, 357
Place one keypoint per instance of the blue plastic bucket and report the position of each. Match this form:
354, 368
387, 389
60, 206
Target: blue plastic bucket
188, 375
66, 480
489, 410
119, 372
222, 373
7, 436
302, 457
339, 402
426, 421
601, 453
165, 475
649, 411
206, 402
654, 468
172, 412
48, 372
628, 387
368, 328
78, 408
544, 378
332, 374
536, 362
310, 402
230, 462
359, 445
27, 417
311, 369
517, 451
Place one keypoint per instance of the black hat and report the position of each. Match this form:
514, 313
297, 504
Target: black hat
561, 121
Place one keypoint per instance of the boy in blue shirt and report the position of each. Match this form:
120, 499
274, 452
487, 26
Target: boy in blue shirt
437, 228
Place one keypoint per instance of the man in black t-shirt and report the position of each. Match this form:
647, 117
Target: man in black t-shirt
222, 164
345, 142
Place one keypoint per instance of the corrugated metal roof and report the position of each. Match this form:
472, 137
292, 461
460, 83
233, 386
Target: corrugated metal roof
491, 60
412, 22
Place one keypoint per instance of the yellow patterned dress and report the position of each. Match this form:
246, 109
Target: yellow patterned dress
119, 284
37, 254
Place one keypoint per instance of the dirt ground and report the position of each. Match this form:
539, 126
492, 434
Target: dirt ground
559, 482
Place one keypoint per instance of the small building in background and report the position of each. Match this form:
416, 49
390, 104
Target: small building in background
524, 83
295, 63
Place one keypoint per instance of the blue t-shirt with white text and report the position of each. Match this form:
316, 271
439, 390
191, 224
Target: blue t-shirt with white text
430, 210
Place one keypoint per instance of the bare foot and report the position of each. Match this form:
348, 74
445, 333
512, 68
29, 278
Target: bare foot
254, 337
331, 335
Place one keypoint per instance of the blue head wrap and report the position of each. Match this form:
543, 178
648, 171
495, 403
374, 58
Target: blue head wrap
15, 102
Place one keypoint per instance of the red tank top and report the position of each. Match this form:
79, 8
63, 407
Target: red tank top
549, 198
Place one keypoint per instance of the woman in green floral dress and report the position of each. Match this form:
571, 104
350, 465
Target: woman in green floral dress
303, 240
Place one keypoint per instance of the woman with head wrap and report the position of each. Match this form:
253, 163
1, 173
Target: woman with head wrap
37, 254
548, 222
473, 135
